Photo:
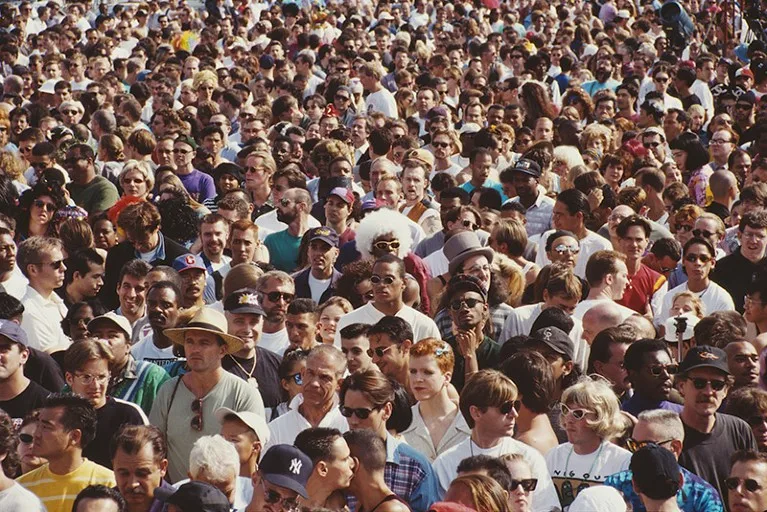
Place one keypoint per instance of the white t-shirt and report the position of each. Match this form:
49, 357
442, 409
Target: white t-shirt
714, 298
589, 245
382, 101
437, 263
276, 342
422, 325
520, 321
544, 496
16, 497
318, 287
146, 350
571, 473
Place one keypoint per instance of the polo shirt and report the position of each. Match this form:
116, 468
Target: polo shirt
42, 320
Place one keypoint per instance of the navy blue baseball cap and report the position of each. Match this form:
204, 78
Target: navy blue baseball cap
286, 466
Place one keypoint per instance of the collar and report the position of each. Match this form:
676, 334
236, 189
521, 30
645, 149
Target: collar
391, 447
159, 251
37, 297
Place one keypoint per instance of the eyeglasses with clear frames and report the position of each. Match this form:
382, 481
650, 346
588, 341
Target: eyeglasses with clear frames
88, 379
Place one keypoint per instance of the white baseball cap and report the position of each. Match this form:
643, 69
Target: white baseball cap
251, 419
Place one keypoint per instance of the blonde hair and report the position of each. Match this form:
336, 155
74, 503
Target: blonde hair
596, 395
698, 308
595, 131
486, 493
341, 302
12, 166
512, 275
204, 77
142, 167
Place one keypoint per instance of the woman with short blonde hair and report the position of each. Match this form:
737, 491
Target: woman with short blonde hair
136, 179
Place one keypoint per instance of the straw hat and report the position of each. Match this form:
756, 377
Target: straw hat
206, 320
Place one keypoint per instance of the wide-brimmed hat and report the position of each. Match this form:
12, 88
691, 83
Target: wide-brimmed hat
206, 320
462, 246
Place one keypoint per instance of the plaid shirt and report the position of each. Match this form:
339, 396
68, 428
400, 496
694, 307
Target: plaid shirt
498, 316
409, 475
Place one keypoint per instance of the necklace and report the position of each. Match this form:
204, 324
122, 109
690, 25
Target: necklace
593, 463
251, 380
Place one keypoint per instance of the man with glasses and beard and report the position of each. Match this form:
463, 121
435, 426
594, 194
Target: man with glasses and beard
711, 438
293, 210
388, 286
276, 291
603, 75
41, 260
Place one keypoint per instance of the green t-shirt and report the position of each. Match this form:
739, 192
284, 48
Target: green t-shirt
488, 356
283, 250
97, 196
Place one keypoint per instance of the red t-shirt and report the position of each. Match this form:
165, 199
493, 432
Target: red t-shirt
642, 286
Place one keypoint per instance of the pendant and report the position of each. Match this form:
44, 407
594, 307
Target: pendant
253, 382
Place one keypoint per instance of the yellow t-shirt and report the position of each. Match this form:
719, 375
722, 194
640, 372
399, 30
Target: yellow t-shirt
58, 492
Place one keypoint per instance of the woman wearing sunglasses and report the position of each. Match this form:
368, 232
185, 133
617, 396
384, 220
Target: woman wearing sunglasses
522, 483
590, 416
37, 207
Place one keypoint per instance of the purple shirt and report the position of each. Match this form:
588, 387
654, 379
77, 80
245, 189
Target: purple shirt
199, 185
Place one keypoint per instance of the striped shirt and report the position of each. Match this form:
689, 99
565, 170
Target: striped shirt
58, 492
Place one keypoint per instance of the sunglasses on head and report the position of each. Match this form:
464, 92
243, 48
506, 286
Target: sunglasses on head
276, 296
657, 370
361, 412
634, 446
456, 305
383, 245
197, 418
578, 414
716, 384
528, 484
387, 280
750, 484
692, 258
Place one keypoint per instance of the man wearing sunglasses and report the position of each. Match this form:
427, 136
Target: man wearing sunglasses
698, 260
489, 403
276, 291
650, 371
90, 191
747, 483
281, 480
665, 430
711, 438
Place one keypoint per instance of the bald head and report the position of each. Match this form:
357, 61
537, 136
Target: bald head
643, 326
599, 318
722, 183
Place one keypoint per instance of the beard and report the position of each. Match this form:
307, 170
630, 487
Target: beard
286, 217
602, 76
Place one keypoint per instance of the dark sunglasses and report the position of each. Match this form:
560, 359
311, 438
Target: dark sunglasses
528, 484
634, 446
273, 497
470, 224
441, 144
657, 370
276, 296
716, 384
700, 233
734, 482
26, 438
756, 420
48, 207
506, 407
388, 280
683, 227
296, 377
360, 412
197, 418
55, 265
456, 305
692, 258
379, 351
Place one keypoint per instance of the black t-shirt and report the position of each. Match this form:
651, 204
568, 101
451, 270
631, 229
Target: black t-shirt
267, 364
28, 400
44, 370
708, 455
111, 417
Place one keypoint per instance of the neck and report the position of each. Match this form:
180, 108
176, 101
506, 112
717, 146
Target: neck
587, 446
441, 163
370, 490
260, 195
6, 276
7, 483
249, 467
160, 340
246, 353
193, 302
389, 308
701, 423
603, 293
726, 201
322, 273
528, 420
762, 326
338, 227
200, 383
318, 493
299, 226
73, 294
42, 290
657, 208
66, 462
131, 317
214, 258
270, 327
633, 265
37, 229
581, 232
698, 285
183, 171
484, 441
438, 405
668, 505
15, 384
413, 202
315, 413
477, 182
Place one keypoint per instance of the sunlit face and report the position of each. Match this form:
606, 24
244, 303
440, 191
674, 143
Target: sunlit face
90, 381
426, 378
329, 318
134, 184
138, 475
706, 401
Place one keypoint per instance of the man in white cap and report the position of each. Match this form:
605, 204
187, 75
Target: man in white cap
185, 406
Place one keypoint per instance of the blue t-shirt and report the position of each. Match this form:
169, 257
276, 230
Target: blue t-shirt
468, 187
696, 495
283, 250
199, 185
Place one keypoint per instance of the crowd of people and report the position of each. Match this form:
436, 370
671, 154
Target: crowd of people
367, 256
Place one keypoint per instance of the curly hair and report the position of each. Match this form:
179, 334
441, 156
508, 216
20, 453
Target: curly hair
178, 220
9, 439
52, 190
12, 166
380, 223
352, 275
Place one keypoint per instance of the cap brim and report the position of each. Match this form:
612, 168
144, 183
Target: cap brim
233, 343
528, 172
480, 251
164, 493
723, 369
255, 310
99, 319
287, 483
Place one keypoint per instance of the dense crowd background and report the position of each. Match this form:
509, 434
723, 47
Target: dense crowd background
382, 257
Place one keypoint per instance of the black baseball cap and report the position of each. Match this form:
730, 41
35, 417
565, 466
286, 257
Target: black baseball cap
527, 166
286, 466
244, 300
705, 356
557, 340
194, 497
653, 468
